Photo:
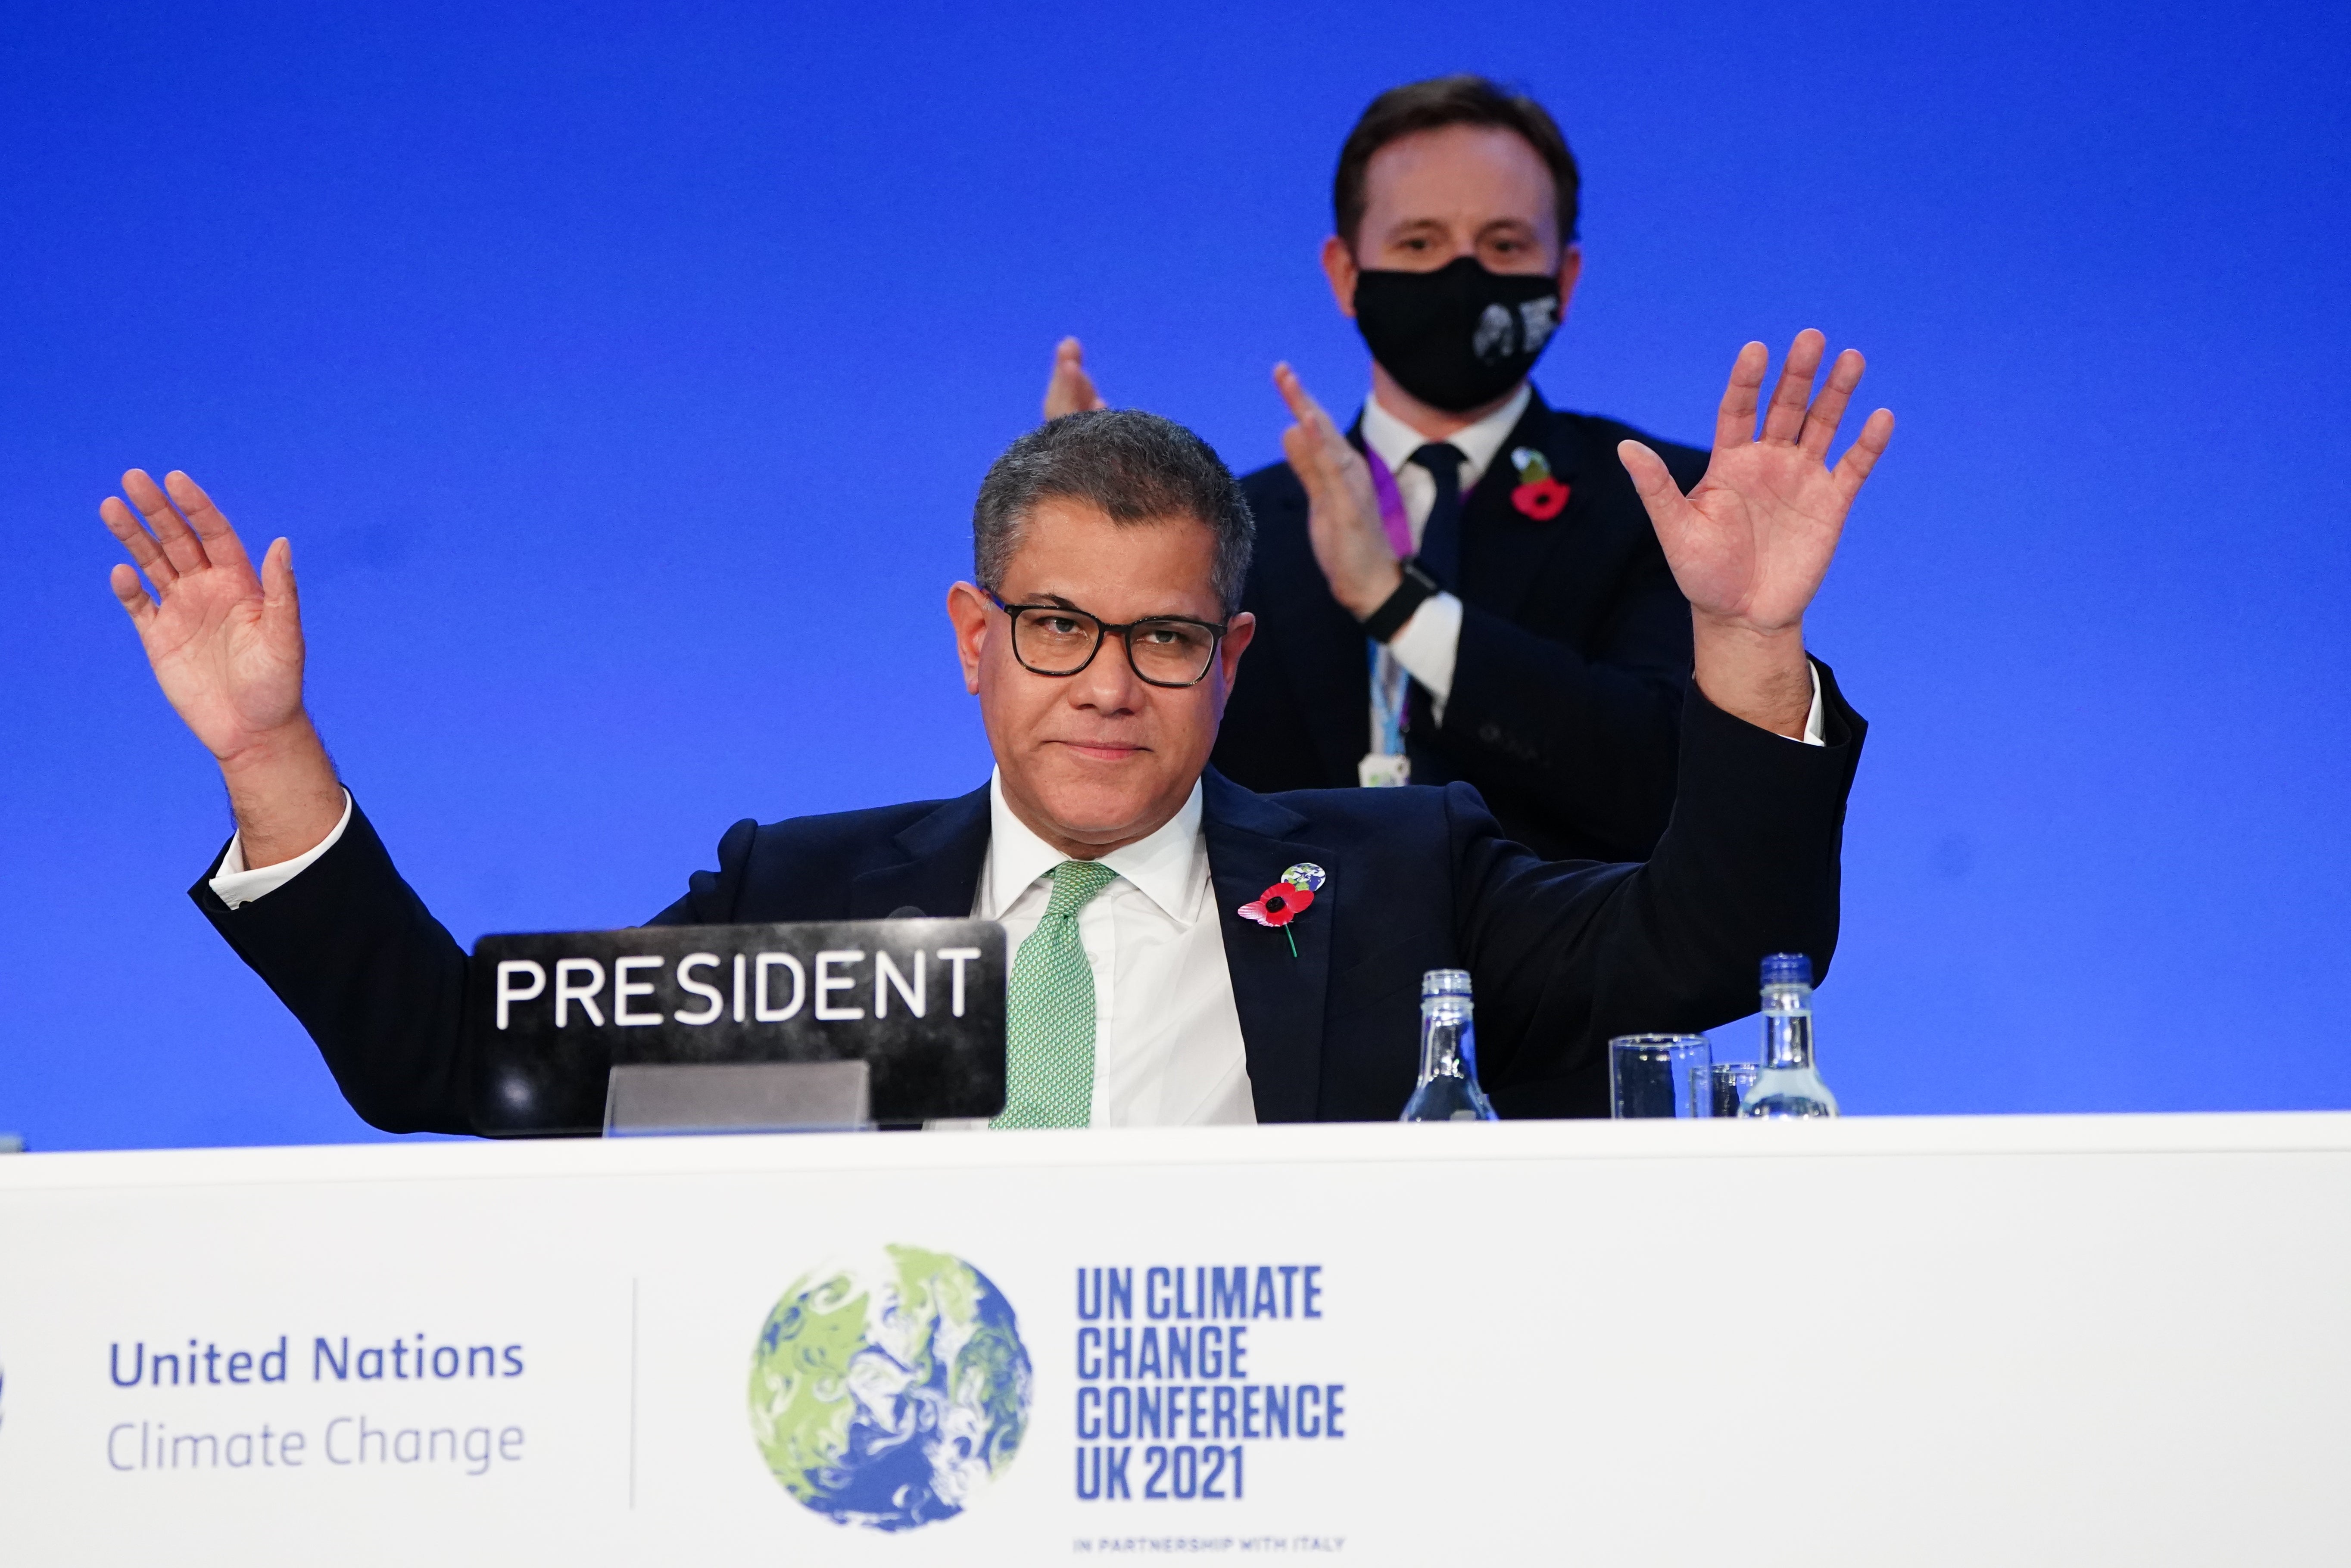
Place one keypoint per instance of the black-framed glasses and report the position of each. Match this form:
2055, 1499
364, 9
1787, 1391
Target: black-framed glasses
1163, 649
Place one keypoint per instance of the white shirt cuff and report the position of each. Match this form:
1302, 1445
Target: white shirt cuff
235, 884
1426, 646
1816, 732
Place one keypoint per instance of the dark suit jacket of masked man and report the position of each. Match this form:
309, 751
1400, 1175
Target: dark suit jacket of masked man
1567, 687
1561, 956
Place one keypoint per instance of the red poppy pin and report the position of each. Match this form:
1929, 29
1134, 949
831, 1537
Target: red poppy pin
1538, 495
1286, 900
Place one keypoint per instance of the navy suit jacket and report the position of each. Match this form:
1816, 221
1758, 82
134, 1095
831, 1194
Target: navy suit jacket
1575, 643
1563, 955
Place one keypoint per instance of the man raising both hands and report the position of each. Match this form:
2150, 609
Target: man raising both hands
1103, 635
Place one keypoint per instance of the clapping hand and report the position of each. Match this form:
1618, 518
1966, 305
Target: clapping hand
1343, 512
226, 647
1750, 544
1069, 391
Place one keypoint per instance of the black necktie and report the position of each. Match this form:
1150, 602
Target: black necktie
1440, 538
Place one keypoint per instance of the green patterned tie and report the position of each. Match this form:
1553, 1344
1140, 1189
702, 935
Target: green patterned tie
1048, 1012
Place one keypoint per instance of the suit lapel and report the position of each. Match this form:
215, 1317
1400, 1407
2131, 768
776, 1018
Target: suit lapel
1503, 549
940, 875
1280, 998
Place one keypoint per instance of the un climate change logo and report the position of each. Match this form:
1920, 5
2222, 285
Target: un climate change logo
889, 1393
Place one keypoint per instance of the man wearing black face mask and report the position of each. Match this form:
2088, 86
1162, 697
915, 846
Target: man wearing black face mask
1464, 585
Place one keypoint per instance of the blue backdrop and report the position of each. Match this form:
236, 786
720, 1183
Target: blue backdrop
622, 376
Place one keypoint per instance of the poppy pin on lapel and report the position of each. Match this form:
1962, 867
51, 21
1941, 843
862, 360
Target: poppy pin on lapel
1286, 900
1538, 495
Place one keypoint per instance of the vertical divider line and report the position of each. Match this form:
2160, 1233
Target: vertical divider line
633, 1392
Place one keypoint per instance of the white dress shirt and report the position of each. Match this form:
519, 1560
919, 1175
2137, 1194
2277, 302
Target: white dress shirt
1427, 643
1167, 1034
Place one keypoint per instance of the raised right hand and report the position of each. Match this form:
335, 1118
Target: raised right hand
226, 647
1069, 391
1342, 510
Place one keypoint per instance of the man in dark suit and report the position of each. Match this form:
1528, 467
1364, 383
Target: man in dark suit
1103, 635
1513, 623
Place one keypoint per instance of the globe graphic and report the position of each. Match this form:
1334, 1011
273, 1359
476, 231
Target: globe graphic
888, 1392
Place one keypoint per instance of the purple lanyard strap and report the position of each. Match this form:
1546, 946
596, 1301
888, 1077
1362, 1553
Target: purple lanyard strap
1391, 517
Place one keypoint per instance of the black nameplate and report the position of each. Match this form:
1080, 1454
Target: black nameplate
921, 1000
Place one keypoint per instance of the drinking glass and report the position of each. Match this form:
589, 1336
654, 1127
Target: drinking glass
1660, 1075
1732, 1080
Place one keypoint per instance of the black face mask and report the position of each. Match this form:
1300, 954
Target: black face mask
1459, 337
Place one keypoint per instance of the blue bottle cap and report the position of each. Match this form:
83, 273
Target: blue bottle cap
1788, 969
1445, 982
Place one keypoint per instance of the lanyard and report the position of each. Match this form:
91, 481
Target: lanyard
1390, 684
1390, 717
1391, 517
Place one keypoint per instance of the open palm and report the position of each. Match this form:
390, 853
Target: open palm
1750, 544
226, 646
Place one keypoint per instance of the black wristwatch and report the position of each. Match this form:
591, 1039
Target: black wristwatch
1416, 589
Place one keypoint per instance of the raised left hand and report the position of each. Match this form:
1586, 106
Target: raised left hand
1750, 544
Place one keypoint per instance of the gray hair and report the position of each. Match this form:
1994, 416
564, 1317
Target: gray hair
1136, 467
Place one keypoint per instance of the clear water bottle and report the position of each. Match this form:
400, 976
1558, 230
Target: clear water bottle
1447, 1091
1788, 1085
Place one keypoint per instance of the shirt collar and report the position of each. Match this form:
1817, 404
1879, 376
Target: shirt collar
1169, 868
1396, 440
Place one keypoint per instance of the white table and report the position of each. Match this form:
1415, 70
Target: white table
2031, 1340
